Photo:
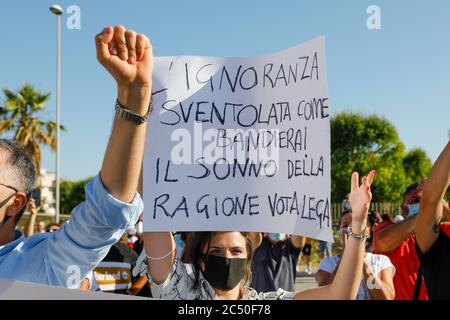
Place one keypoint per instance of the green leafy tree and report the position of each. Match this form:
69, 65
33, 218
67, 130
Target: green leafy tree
362, 143
22, 115
417, 165
72, 194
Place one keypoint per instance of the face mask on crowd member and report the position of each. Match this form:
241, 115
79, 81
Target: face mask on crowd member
224, 273
413, 209
224, 261
411, 199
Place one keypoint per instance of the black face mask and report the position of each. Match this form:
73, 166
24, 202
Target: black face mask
224, 273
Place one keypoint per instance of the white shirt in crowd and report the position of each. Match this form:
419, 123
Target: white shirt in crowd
377, 262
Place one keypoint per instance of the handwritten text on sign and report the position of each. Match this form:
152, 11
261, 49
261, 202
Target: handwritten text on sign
240, 144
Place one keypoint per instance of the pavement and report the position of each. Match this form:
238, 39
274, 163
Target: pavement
304, 281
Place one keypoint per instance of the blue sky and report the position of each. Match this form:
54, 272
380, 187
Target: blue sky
401, 71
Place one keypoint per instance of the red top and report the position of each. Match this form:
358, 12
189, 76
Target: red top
445, 227
406, 263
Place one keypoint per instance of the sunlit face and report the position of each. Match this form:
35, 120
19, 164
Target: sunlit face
53, 228
228, 245
41, 225
413, 197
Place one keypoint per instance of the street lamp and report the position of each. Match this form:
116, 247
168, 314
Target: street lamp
56, 9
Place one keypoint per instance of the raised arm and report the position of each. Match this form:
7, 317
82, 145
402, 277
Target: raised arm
298, 241
431, 205
160, 248
392, 236
112, 202
348, 277
29, 228
132, 69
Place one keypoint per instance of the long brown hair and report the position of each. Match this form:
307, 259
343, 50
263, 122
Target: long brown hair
193, 254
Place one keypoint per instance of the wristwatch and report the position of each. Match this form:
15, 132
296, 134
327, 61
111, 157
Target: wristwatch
129, 115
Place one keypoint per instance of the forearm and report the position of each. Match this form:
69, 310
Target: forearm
324, 278
298, 241
160, 247
439, 179
29, 228
345, 282
138, 285
123, 159
432, 206
391, 237
378, 289
384, 291
348, 276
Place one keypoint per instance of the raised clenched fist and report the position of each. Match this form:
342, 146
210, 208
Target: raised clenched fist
128, 57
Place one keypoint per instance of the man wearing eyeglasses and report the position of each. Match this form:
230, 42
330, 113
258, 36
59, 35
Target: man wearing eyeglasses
112, 203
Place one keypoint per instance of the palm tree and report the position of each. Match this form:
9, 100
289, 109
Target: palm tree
22, 115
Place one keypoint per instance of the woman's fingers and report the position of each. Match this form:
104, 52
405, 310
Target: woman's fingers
370, 176
355, 182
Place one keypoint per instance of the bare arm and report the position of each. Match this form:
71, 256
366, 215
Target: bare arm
392, 236
298, 241
157, 245
324, 278
85, 285
132, 69
348, 276
138, 285
29, 228
431, 205
380, 288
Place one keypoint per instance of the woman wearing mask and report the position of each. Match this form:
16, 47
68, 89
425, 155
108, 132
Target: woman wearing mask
220, 262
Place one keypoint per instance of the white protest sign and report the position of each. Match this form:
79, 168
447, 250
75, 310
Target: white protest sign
18, 290
240, 144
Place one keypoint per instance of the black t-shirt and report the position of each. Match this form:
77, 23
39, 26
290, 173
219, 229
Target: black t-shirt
435, 264
121, 252
274, 266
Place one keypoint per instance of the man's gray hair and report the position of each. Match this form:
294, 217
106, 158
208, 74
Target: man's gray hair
20, 166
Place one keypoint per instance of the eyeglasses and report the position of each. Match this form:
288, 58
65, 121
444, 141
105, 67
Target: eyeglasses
8, 186
7, 199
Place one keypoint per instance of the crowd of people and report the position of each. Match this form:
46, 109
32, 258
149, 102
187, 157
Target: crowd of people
379, 259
